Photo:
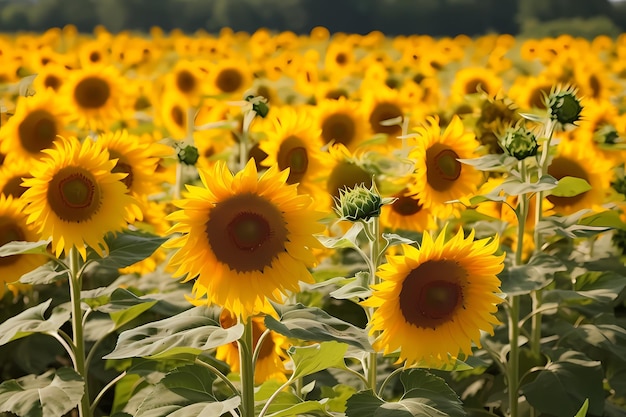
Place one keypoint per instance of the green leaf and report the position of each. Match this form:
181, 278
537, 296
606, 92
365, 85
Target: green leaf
348, 240
535, 274
128, 248
122, 305
45, 274
425, 395
393, 239
491, 162
514, 186
354, 288
609, 337
303, 408
583, 409
562, 386
32, 321
318, 357
196, 329
570, 187
18, 248
533, 117
316, 325
607, 218
49, 395
569, 226
186, 391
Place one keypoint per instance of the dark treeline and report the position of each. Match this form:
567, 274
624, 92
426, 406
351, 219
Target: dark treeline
393, 17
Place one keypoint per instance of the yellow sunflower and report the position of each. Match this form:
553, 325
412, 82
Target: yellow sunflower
245, 238
230, 76
580, 160
11, 174
96, 95
406, 213
272, 357
51, 76
382, 104
34, 127
174, 114
434, 301
439, 176
186, 78
347, 171
294, 142
74, 198
13, 227
472, 80
341, 121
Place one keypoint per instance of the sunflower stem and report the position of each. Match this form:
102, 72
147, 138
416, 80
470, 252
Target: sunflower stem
375, 255
76, 283
247, 370
513, 362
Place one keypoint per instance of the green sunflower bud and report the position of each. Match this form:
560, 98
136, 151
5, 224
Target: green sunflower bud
359, 203
259, 105
520, 143
565, 107
188, 155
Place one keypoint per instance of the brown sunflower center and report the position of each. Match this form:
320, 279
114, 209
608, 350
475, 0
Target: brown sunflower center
385, 111
185, 81
442, 167
406, 205
52, 81
339, 127
537, 95
124, 168
471, 86
74, 195
346, 174
595, 86
566, 167
10, 232
432, 293
246, 232
229, 80
13, 187
292, 154
341, 59
95, 56
92, 92
178, 116
37, 131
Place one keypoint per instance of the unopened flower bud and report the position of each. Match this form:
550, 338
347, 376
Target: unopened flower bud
259, 105
565, 107
520, 143
188, 155
359, 203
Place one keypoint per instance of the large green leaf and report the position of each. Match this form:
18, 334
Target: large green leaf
353, 288
32, 321
316, 325
609, 337
18, 247
302, 408
515, 186
535, 274
570, 187
128, 248
318, 357
122, 305
49, 395
425, 395
562, 386
186, 391
570, 226
194, 330
606, 218
348, 240
492, 162
45, 274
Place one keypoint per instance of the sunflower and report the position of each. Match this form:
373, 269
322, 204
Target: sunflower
406, 213
580, 160
174, 114
342, 121
531, 92
96, 95
13, 227
381, 104
245, 239
51, 76
439, 175
11, 174
186, 78
434, 301
230, 76
472, 80
347, 171
294, 142
74, 198
271, 361
37, 122
95, 52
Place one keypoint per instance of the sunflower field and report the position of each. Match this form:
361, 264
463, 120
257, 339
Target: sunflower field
270, 224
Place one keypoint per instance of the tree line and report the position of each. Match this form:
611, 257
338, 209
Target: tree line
392, 17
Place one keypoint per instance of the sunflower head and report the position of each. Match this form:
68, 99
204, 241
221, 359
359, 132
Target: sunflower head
359, 203
245, 238
564, 106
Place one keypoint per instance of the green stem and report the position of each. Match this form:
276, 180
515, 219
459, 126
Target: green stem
246, 366
375, 255
105, 389
535, 322
513, 362
76, 283
219, 374
273, 396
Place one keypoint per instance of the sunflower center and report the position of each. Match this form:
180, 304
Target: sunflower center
537, 96
37, 131
185, 82
385, 111
178, 116
341, 59
471, 86
442, 167
53, 82
595, 86
92, 93
346, 175
13, 187
125, 169
292, 154
339, 127
246, 232
74, 195
406, 206
566, 167
95, 56
9, 232
229, 80
432, 293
